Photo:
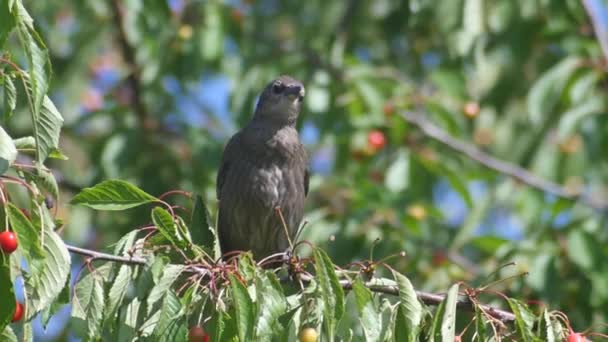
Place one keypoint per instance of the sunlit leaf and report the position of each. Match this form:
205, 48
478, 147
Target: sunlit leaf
113, 195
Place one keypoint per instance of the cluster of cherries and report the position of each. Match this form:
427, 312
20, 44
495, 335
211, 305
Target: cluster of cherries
8, 244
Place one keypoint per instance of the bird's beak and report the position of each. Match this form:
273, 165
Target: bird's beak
294, 92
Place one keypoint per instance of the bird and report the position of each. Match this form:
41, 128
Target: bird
263, 178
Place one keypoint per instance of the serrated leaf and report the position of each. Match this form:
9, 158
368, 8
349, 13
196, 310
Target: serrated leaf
332, 293
10, 94
169, 276
410, 306
28, 234
6, 291
244, 307
271, 305
167, 226
448, 322
88, 306
368, 314
201, 230
524, 320
8, 152
401, 331
117, 291
113, 195
171, 325
8, 335
62, 299
48, 276
128, 325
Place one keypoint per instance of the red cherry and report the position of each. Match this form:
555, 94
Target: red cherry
576, 337
197, 334
376, 139
8, 242
18, 312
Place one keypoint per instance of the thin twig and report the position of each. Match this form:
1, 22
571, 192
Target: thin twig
104, 256
433, 131
133, 82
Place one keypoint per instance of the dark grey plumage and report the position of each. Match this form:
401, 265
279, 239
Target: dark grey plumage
264, 166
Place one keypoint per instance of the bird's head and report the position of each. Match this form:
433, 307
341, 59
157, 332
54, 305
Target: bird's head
281, 101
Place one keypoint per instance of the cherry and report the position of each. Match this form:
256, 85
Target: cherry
197, 334
18, 313
308, 335
8, 242
576, 337
376, 139
471, 109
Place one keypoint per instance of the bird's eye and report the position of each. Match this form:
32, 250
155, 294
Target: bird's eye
277, 88
300, 98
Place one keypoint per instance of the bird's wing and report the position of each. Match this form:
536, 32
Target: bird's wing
229, 153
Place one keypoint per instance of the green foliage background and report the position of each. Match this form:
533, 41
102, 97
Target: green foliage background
534, 68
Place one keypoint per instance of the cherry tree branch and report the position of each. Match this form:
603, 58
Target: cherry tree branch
425, 297
435, 132
94, 255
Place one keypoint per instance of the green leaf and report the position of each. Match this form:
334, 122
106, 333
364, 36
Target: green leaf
7, 308
547, 90
524, 320
398, 174
8, 152
8, 335
401, 331
201, 230
28, 234
7, 22
244, 307
25, 143
480, 324
584, 250
169, 276
62, 299
10, 95
168, 227
171, 325
113, 195
48, 275
448, 323
271, 305
117, 291
88, 306
128, 325
409, 306
332, 293
45, 180
368, 314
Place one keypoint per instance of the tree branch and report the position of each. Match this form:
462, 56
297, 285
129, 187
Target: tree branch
433, 131
104, 256
132, 82
425, 297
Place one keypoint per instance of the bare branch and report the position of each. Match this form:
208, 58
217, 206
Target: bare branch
433, 131
104, 256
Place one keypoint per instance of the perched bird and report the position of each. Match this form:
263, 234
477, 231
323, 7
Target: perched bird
264, 167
